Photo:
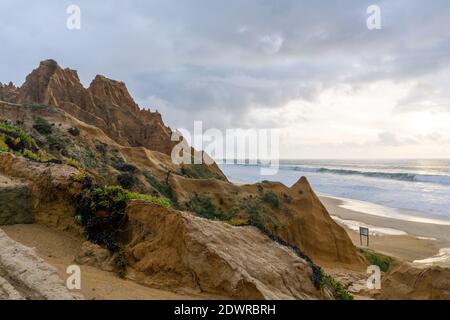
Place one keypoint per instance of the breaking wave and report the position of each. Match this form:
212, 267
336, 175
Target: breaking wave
413, 177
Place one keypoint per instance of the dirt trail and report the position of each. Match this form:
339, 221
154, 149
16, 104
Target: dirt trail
24, 275
59, 248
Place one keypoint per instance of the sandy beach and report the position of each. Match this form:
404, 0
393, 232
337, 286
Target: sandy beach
401, 239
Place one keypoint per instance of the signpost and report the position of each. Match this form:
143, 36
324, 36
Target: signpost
364, 232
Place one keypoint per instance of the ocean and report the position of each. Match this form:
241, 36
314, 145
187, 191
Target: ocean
394, 188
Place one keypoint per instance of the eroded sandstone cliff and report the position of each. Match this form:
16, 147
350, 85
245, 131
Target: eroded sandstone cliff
101, 131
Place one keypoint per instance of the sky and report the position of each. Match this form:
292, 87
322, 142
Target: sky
313, 70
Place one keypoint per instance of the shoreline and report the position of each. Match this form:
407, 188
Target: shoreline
402, 239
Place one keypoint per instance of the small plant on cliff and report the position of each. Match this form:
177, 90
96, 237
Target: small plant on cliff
163, 188
126, 180
3, 145
238, 222
40, 156
199, 171
17, 137
121, 264
35, 105
73, 163
203, 207
74, 131
79, 177
101, 210
16, 140
101, 147
378, 259
335, 286
114, 199
258, 215
271, 198
124, 167
42, 126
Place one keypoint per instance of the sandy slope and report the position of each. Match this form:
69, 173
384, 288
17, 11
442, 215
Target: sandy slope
59, 248
25, 275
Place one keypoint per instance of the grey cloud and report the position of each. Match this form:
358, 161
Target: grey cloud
217, 60
392, 140
426, 96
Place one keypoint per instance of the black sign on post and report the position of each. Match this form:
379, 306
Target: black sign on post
364, 232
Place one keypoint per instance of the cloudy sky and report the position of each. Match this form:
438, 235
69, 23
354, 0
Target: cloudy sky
334, 88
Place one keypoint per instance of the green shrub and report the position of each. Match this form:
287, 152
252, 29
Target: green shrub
74, 163
124, 167
55, 143
78, 219
101, 147
74, 131
335, 286
16, 140
115, 198
42, 126
121, 264
36, 106
238, 222
145, 197
271, 198
17, 136
31, 155
253, 207
109, 198
3, 145
378, 259
258, 215
126, 180
112, 200
164, 189
203, 207
39, 156
79, 177
199, 171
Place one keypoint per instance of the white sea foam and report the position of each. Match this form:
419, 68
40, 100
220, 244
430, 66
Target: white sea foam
402, 176
382, 211
418, 189
442, 256
426, 238
375, 231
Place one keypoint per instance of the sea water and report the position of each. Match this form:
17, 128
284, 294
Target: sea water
421, 187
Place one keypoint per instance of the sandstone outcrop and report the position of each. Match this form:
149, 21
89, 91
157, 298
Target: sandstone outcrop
297, 216
50, 187
405, 281
171, 249
106, 104
92, 254
15, 202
